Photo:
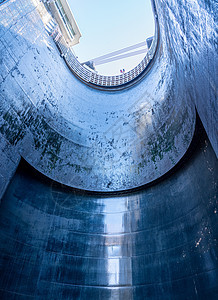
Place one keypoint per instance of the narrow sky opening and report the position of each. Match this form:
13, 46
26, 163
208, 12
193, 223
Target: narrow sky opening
108, 26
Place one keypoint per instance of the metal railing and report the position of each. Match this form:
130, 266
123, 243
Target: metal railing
87, 75
92, 78
103, 80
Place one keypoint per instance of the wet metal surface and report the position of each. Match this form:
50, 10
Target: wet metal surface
159, 243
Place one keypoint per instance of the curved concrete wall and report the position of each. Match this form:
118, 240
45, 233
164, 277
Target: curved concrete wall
85, 138
192, 34
159, 243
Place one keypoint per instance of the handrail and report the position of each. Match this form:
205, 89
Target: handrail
94, 79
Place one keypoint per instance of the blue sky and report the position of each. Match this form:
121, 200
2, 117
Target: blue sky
107, 26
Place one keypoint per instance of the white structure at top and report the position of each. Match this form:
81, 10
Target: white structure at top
122, 53
65, 19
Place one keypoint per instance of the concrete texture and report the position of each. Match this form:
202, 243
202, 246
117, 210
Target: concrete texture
192, 25
8, 163
86, 138
158, 243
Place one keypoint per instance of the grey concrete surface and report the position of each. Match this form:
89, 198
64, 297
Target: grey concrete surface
82, 137
8, 164
157, 243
